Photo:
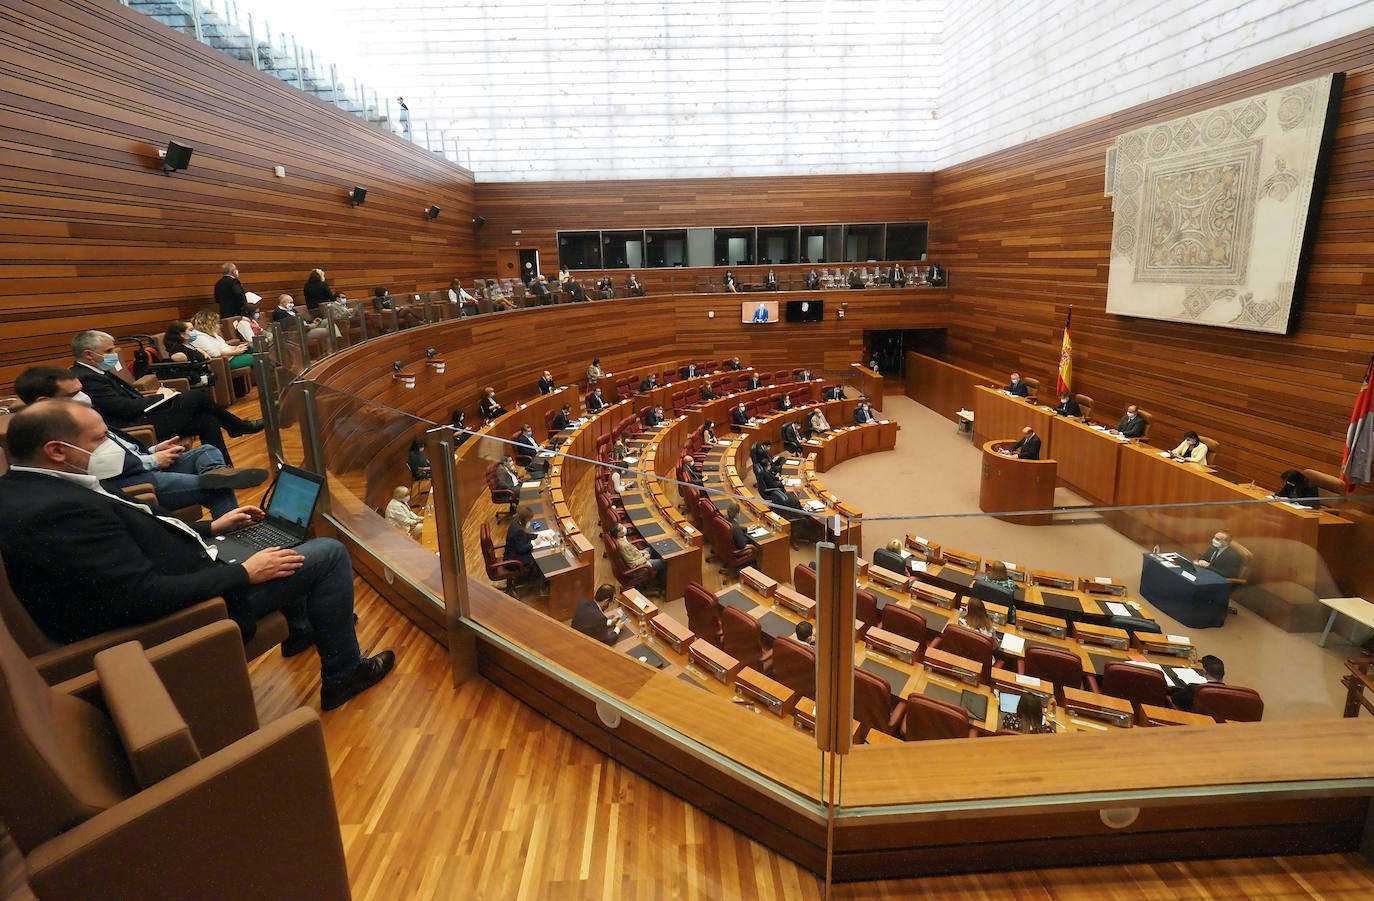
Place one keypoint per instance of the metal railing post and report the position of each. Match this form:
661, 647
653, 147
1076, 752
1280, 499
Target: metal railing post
310, 435
253, 43
440, 444
331, 329
195, 21
265, 375
300, 74
305, 343
334, 83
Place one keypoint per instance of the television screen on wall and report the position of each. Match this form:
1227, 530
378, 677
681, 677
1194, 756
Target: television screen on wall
758, 311
805, 310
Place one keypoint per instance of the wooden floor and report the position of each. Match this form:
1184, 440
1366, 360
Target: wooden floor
467, 794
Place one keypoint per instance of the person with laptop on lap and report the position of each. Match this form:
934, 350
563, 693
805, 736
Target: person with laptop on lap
84, 560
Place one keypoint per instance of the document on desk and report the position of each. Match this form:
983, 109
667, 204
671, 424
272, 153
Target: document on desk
758, 532
1187, 676
792, 483
1164, 454
918, 567
1191, 577
1013, 644
1116, 609
533, 484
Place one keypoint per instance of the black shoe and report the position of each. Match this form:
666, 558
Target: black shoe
249, 427
232, 478
297, 644
368, 673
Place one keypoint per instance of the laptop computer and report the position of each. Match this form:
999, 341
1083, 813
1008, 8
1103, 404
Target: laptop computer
290, 506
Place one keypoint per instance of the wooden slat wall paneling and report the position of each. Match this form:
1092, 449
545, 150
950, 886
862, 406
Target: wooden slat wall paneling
540, 209
1025, 233
93, 235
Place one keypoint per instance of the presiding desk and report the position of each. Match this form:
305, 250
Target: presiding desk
1009, 483
998, 415
1196, 597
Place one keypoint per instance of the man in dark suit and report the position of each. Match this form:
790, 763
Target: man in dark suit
1221, 558
526, 446
753, 382
650, 383
180, 477
784, 402
761, 451
897, 276
792, 438
707, 392
653, 417
740, 415
84, 560
770, 281
813, 280
691, 471
633, 287
737, 532
1028, 448
563, 418
733, 365
520, 541
595, 403
770, 484
834, 392
1132, 424
595, 616
863, 414
539, 289
121, 404
1017, 388
690, 371
1212, 668
546, 383
1067, 405
229, 294
573, 288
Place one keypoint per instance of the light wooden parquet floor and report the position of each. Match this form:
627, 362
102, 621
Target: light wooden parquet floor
465, 793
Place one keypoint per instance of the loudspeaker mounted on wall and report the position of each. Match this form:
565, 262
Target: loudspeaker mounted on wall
357, 196
478, 222
432, 212
175, 157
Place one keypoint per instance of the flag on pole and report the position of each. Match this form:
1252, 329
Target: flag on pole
1066, 356
1359, 438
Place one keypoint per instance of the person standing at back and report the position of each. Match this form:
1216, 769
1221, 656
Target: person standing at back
229, 294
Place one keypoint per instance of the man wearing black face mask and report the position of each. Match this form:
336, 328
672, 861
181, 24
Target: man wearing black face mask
84, 560
180, 477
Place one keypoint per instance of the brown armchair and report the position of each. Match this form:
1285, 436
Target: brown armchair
158, 781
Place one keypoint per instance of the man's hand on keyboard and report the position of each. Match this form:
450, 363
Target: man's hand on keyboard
236, 519
273, 563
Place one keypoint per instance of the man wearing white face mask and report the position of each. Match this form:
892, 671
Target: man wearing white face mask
84, 560
180, 477
1221, 558
121, 404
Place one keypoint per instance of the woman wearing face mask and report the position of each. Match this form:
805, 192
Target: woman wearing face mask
177, 342
1191, 450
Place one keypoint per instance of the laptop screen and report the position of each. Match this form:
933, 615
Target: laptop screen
293, 498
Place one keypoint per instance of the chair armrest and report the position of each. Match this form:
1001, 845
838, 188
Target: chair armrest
206, 676
256, 819
77, 658
156, 739
181, 385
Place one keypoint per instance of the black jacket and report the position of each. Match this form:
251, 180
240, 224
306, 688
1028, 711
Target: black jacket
546, 385
118, 402
316, 294
1028, 448
232, 299
1018, 389
589, 620
595, 404
1132, 428
1069, 408
739, 417
83, 564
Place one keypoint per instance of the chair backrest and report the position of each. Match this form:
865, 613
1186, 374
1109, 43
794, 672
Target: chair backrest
866, 607
612, 546
966, 642
794, 665
1085, 404
926, 719
1149, 423
16, 618
1032, 386
1247, 557
1056, 665
549, 417
1135, 683
804, 580
703, 612
872, 700
61, 761
722, 535
1135, 624
904, 622
741, 636
1213, 446
1228, 702
488, 547
1320, 480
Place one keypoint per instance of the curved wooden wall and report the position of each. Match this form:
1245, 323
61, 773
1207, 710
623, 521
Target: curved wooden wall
1026, 232
93, 235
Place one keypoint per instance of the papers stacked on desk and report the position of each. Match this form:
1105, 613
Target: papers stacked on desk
812, 506
546, 538
546, 453
1164, 454
758, 532
1116, 609
1187, 676
792, 483
631, 460
532, 484
1013, 644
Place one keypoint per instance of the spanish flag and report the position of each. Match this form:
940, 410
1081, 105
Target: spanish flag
1359, 438
1066, 356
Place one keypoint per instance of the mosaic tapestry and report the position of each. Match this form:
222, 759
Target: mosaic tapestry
1210, 210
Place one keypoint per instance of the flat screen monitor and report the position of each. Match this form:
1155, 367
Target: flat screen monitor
805, 310
758, 311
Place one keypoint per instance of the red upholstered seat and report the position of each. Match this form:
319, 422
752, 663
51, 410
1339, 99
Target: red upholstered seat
1061, 667
967, 643
873, 706
742, 639
703, 613
498, 569
1138, 684
927, 718
1228, 702
628, 578
721, 533
794, 665
804, 580
904, 622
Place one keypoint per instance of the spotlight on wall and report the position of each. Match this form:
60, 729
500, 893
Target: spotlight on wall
430, 353
399, 374
479, 221
357, 196
432, 212
175, 157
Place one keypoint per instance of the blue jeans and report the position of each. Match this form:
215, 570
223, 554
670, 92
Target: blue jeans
178, 485
317, 598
